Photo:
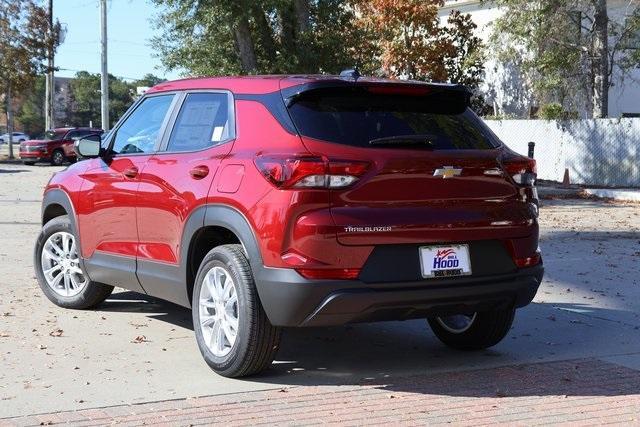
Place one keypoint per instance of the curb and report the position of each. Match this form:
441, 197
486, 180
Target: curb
620, 195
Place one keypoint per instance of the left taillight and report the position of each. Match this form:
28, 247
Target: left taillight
308, 171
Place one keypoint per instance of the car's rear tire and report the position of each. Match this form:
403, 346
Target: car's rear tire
59, 272
481, 330
57, 158
232, 330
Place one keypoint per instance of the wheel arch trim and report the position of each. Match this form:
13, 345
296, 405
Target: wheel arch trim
57, 196
218, 215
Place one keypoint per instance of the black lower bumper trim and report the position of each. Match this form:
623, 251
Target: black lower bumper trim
291, 300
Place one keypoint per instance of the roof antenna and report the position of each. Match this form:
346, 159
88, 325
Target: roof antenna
353, 73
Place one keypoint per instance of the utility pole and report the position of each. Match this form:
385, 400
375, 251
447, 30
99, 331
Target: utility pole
104, 78
50, 79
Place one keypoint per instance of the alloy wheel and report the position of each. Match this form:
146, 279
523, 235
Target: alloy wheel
218, 309
58, 158
61, 266
457, 323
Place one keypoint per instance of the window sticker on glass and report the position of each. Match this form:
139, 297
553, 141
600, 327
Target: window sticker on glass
217, 133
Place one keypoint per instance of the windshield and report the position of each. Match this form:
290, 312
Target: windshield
363, 118
52, 135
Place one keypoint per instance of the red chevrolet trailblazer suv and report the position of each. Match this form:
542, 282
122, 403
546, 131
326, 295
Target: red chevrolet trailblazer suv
275, 201
56, 146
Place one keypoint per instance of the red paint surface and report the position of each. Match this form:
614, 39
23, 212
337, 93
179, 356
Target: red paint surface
145, 216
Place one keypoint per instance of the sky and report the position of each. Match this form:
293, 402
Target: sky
129, 30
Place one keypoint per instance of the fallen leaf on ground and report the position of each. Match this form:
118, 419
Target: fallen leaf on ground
140, 339
56, 333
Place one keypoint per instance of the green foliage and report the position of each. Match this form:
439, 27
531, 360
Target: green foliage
382, 37
23, 47
466, 64
85, 97
31, 112
217, 37
555, 111
148, 80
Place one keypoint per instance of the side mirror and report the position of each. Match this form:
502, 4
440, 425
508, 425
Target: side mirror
90, 146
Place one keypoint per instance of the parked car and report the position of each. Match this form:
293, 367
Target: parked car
17, 137
56, 146
295, 201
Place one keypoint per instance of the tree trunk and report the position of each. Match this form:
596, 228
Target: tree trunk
288, 32
244, 44
264, 31
601, 61
10, 120
301, 9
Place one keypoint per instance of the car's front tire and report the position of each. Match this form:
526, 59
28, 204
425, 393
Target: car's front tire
57, 158
473, 331
232, 330
58, 269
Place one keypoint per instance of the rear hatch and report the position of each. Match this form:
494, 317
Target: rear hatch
435, 172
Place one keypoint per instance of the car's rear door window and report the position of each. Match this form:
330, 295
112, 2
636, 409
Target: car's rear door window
204, 121
357, 116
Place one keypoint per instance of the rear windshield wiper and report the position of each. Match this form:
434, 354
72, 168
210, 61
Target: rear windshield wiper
424, 139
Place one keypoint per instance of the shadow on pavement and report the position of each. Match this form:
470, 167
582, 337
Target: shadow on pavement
13, 170
394, 354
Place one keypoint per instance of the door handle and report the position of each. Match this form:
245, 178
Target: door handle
199, 172
131, 172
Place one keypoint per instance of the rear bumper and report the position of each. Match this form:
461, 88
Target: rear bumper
291, 300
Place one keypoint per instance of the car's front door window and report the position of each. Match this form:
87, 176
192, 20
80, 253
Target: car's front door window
140, 131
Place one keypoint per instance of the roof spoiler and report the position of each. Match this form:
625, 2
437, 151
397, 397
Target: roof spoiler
459, 93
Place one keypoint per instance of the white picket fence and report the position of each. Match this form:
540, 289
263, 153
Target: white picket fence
602, 152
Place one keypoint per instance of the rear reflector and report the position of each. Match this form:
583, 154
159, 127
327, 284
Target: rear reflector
330, 274
308, 171
528, 261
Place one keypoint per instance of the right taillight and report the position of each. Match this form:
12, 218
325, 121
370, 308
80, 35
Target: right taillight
522, 170
309, 171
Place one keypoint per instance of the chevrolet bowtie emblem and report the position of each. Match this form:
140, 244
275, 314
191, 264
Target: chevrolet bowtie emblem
447, 172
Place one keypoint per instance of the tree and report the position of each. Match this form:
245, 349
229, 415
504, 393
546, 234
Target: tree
465, 65
22, 48
148, 80
31, 112
566, 47
408, 41
218, 37
84, 105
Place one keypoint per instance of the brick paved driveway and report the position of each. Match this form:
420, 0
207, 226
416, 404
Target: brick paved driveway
584, 391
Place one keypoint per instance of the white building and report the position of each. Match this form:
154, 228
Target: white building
504, 88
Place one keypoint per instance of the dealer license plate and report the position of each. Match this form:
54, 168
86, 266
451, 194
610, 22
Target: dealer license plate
445, 261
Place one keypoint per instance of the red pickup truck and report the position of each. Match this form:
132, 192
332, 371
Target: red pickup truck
56, 146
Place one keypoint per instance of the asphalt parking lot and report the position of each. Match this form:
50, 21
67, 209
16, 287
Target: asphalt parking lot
134, 349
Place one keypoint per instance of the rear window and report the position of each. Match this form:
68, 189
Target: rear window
51, 135
357, 116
